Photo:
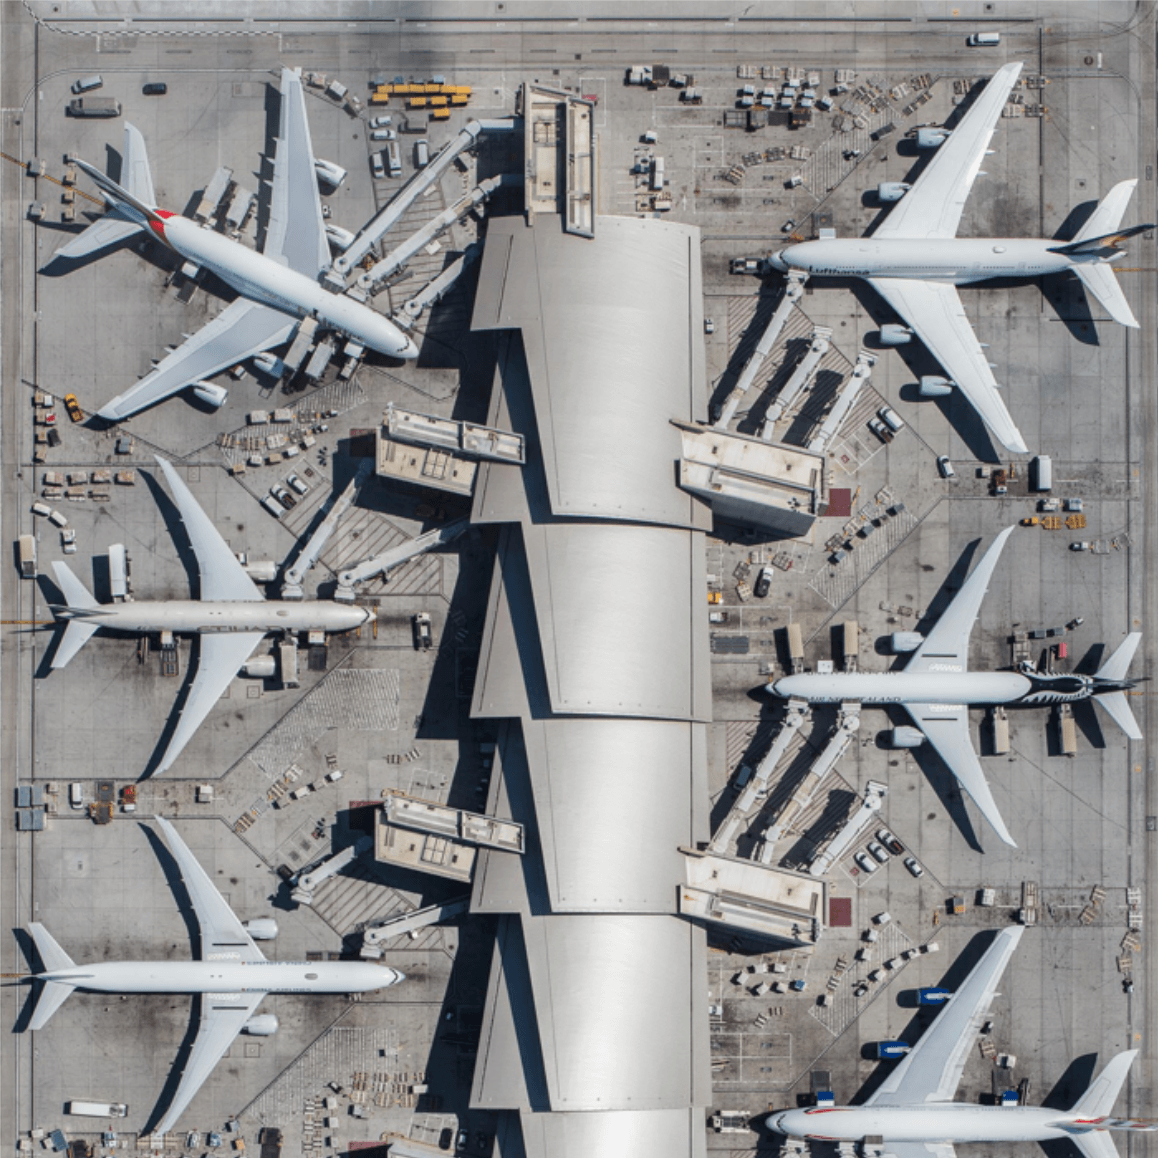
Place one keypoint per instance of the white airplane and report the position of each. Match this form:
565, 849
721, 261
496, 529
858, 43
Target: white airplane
913, 1111
278, 286
914, 260
232, 975
937, 689
231, 618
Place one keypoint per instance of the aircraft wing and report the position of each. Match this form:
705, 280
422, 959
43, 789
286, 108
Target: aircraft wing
931, 1072
946, 727
222, 1017
933, 206
296, 233
946, 647
934, 311
219, 659
242, 329
222, 576
222, 934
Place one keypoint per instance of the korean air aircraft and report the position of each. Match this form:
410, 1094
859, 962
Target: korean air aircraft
937, 688
915, 260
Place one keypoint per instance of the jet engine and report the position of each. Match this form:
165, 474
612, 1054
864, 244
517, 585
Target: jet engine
341, 239
892, 190
894, 335
269, 364
329, 173
931, 138
906, 737
932, 386
901, 642
261, 928
260, 667
260, 570
211, 394
263, 1025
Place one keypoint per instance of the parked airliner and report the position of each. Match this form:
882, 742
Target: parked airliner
278, 286
914, 260
937, 689
913, 1113
231, 618
232, 975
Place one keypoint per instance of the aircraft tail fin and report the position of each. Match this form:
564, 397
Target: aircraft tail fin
1100, 279
1098, 1101
77, 631
1118, 664
130, 206
54, 993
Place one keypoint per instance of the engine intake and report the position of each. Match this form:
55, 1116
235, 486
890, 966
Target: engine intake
931, 386
211, 394
906, 737
261, 928
895, 335
263, 1025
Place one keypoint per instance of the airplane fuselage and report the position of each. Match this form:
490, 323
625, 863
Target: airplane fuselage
197, 617
958, 261
264, 280
228, 976
951, 687
933, 1122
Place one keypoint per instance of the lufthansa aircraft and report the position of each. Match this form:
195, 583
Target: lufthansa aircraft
915, 259
231, 974
278, 286
937, 688
913, 1111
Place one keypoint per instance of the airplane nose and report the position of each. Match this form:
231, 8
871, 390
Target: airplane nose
408, 352
775, 1122
777, 262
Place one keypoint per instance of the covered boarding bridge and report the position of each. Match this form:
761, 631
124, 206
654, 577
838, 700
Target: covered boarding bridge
595, 666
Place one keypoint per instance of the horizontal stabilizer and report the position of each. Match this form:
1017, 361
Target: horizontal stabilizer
52, 956
1098, 1101
77, 632
1099, 278
1103, 243
1116, 706
1118, 664
53, 994
99, 236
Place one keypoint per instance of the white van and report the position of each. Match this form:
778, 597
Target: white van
376, 166
87, 84
421, 153
984, 39
393, 159
76, 795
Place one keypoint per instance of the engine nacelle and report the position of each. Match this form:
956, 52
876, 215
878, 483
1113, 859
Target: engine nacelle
931, 138
894, 335
261, 570
341, 239
269, 364
932, 386
906, 737
263, 1025
261, 667
901, 642
329, 173
211, 394
261, 928
892, 190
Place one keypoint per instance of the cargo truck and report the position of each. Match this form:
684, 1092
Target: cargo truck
94, 107
98, 1109
27, 546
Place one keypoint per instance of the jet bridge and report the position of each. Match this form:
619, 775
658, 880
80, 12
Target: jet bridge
433, 291
398, 257
847, 726
408, 924
757, 786
844, 402
793, 291
394, 557
422, 180
304, 883
800, 381
292, 584
875, 793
